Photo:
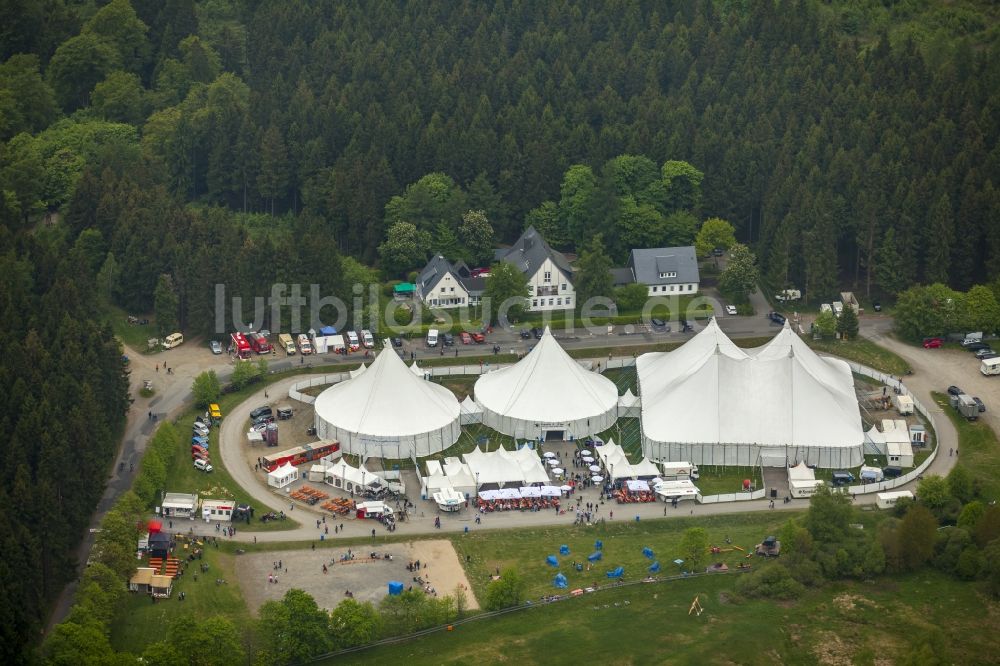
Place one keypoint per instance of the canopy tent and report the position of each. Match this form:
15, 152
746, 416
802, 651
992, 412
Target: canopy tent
629, 405
388, 412
449, 500
407, 288
470, 412
614, 460
352, 479
802, 481
454, 475
502, 467
711, 402
547, 394
283, 475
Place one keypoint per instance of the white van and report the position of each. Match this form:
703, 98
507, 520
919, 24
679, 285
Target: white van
173, 340
352, 341
203, 465
990, 366
367, 339
432, 337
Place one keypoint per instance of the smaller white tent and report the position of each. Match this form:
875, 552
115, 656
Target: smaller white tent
415, 369
629, 405
352, 479
359, 371
617, 465
317, 472
679, 489
282, 476
470, 412
506, 468
447, 499
802, 481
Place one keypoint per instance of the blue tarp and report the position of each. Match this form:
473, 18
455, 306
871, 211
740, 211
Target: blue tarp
598, 545
564, 550
395, 588
560, 581
654, 567
328, 330
616, 573
648, 552
593, 557
552, 561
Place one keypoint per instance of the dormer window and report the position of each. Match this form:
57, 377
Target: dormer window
548, 277
668, 274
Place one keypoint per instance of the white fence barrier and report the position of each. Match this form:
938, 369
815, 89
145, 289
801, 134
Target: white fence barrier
732, 497
896, 383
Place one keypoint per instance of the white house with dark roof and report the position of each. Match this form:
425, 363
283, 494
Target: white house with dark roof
666, 270
550, 285
439, 285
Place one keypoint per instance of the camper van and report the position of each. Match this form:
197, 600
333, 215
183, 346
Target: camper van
888, 500
173, 340
990, 366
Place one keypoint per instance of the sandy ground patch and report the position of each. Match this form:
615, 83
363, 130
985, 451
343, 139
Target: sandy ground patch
367, 579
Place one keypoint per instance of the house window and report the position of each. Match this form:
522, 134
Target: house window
442, 289
690, 287
534, 302
564, 286
569, 300
558, 301
550, 301
671, 287
668, 274
453, 289
548, 276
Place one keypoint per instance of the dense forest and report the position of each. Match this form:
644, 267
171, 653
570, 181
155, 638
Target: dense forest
172, 144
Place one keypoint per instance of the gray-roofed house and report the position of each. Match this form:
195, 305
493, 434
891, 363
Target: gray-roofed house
440, 285
549, 274
666, 270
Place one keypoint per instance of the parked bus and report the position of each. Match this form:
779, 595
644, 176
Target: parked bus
300, 454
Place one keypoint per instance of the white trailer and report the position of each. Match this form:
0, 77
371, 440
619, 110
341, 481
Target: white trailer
990, 366
903, 403
888, 500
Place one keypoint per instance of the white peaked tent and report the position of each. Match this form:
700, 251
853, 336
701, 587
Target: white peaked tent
471, 412
388, 412
358, 372
711, 402
282, 476
617, 466
547, 394
417, 370
628, 405
342, 475
802, 481
522, 467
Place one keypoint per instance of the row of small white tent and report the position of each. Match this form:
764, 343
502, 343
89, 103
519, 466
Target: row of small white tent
617, 466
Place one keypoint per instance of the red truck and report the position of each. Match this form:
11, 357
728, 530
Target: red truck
259, 343
239, 346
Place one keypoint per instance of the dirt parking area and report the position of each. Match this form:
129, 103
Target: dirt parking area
367, 579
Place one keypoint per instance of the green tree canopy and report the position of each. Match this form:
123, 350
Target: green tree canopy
506, 591
405, 248
693, 548
434, 199
507, 291
847, 323
683, 185
294, 629
740, 277
714, 233
476, 235
593, 272
206, 388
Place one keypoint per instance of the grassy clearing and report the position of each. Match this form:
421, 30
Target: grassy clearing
979, 448
133, 335
626, 379
843, 623
719, 480
140, 622
460, 385
863, 351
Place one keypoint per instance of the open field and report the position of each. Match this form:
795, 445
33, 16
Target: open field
133, 335
140, 622
924, 618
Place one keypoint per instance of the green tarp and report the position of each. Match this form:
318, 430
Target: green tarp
405, 288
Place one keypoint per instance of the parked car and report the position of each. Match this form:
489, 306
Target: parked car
216, 346
260, 411
657, 323
954, 390
842, 478
203, 465
525, 334
777, 318
876, 306
892, 472
731, 310
975, 346
537, 332
933, 343
686, 326
466, 338
397, 342
980, 404
478, 337
983, 352
988, 356
264, 418
449, 339
717, 252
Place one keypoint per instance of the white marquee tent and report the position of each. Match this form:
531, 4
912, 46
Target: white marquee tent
346, 477
282, 476
471, 412
454, 475
617, 466
522, 467
386, 411
711, 402
629, 405
547, 395
802, 481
